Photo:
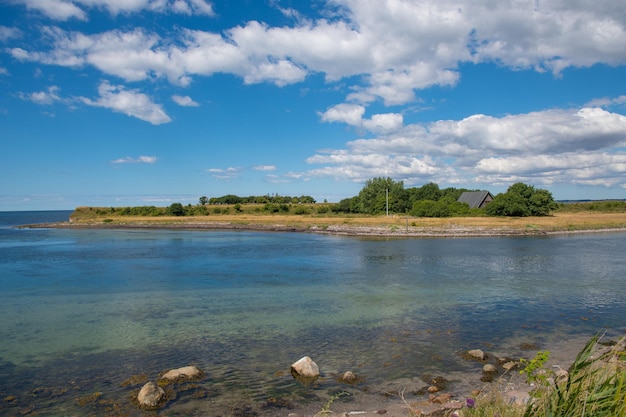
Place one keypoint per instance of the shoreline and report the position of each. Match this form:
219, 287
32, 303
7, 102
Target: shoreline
383, 231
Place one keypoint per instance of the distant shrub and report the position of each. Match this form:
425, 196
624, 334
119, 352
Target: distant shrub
323, 209
302, 210
271, 208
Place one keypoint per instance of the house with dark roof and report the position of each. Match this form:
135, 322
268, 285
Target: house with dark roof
476, 199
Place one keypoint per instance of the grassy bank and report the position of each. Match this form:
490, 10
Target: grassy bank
316, 217
595, 385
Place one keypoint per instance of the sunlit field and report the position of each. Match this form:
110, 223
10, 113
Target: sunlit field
223, 216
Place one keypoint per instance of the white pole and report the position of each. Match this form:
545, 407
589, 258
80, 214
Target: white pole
387, 198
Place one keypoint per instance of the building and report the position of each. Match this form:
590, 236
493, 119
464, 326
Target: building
476, 199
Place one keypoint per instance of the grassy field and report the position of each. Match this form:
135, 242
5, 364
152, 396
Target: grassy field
560, 221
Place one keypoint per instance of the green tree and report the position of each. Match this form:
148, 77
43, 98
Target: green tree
428, 191
203, 200
347, 205
377, 192
542, 203
522, 200
176, 209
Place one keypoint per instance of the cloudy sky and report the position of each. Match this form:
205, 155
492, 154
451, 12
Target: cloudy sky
149, 102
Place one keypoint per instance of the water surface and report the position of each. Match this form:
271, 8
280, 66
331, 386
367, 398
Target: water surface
82, 311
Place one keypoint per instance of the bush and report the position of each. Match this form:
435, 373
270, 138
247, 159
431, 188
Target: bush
521, 200
176, 209
301, 210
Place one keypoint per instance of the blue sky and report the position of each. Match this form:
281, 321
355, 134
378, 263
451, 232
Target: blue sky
150, 102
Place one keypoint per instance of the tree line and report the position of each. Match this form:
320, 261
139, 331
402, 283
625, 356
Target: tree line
378, 196
384, 195
264, 199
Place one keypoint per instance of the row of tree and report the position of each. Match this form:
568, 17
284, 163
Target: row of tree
263, 199
384, 195
381, 195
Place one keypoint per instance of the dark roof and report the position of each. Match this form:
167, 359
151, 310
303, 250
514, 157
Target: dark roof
475, 198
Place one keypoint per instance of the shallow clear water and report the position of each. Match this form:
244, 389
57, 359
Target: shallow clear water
82, 311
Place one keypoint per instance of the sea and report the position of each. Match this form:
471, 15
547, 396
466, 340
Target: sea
87, 316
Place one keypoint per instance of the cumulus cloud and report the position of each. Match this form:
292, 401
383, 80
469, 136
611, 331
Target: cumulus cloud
184, 101
129, 102
352, 114
79, 9
550, 146
387, 50
138, 160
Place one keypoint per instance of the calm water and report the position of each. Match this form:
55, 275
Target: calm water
84, 311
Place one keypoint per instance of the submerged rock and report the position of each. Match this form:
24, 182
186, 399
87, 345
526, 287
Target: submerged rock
151, 396
348, 377
490, 369
305, 370
184, 373
476, 354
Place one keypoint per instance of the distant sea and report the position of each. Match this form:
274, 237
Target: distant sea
88, 316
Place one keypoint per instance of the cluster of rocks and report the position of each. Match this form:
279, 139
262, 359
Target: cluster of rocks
307, 372
152, 395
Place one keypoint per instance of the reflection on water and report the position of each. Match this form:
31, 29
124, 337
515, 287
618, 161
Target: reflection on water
88, 316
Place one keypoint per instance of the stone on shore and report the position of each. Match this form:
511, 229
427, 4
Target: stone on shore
184, 373
476, 354
490, 369
151, 396
305, 370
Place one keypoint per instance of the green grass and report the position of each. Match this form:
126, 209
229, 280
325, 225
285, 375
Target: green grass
595, 387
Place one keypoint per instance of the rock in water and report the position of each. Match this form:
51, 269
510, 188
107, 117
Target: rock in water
305, 370
476, 354
186, 372
151, 396
489, 368
348, 377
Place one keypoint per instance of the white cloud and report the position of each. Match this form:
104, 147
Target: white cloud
227, 174
352, 114
138, 160
184, 101
583, 146
129, 102
57, 9
78, 9
7, 33
388, 49
43, 97
607, 102
383, 123
264, 167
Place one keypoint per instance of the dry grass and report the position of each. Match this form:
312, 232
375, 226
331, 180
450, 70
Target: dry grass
558, 222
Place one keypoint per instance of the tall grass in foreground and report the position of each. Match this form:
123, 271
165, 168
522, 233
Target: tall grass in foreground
594, 387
